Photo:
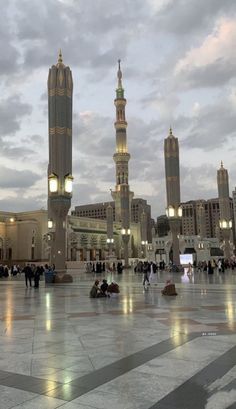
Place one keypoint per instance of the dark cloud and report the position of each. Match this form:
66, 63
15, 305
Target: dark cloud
33, 140
198, 182
21, 203
75, 27
18, 152
9, 53
210, 129
12, 110
17, 179
184, 17
216, 74
84, 193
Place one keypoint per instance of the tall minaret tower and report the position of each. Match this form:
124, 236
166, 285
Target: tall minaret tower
174, 211
224, 203
60, 88
122, 195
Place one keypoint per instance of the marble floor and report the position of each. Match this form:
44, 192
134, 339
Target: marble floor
139, 350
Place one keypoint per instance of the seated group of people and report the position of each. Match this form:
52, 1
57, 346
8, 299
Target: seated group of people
104, 290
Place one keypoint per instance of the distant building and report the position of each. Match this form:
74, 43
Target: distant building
200, 249
98, 211
163, 226
201, 217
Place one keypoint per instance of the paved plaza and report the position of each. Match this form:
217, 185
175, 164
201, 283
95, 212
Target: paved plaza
139, 350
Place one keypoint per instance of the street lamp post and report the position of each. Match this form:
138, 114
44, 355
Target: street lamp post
125, 237
60, 179
226, 227
144, 244
174, 215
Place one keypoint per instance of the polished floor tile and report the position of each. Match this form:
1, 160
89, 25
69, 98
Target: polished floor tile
59, 348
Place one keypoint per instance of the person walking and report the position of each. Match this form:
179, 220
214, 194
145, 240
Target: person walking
153, 273
37, 277
210, 268
28, 275
145, 274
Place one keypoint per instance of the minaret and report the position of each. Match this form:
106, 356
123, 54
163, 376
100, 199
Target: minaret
122, 195
60, 88
224, 203
174, 211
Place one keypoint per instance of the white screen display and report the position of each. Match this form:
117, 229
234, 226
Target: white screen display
186, 259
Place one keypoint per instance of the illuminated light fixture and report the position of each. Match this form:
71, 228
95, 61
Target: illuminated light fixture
53, 183
224, 224
68, 183
110, 240
180, 211
50, 223
144, 242
170, 211
12, 219
125, 232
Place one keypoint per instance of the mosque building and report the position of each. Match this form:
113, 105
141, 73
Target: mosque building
56, 237
119, 229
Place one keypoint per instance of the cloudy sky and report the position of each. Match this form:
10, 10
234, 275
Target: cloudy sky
179, 69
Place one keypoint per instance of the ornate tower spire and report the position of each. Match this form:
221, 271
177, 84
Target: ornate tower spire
60, 60
122, 195
120, 89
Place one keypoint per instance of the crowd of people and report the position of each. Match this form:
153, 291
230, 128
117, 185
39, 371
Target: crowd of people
99, 267
32, 272
213, 265
6, 271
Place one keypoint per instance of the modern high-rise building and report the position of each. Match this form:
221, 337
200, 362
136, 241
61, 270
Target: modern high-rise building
193, 218
201, 217
163, 225
60, 91
174, 211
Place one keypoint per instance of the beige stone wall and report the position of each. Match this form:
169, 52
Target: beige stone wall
18, 229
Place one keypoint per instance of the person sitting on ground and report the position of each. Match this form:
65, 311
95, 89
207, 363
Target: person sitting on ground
113, 288
104, 288
95, 290
169, 288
